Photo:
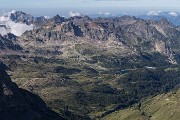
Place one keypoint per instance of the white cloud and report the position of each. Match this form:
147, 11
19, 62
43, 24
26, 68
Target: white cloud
173, 14
153, 13
3, 30
72, 14
18, 28
9, 26
100, 13
104, 13
13, 11
107, 13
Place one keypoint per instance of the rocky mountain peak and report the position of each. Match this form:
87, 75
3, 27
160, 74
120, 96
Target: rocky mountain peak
19, 16
7, 42
10, 36
164, 22
57, 19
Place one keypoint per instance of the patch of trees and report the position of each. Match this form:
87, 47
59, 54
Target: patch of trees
133, 61
136, 84
66, 71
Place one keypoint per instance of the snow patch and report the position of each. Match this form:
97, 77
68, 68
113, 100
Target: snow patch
46, 17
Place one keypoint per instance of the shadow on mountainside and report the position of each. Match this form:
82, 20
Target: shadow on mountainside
19, 104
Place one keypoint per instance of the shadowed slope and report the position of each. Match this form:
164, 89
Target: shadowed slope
19, 104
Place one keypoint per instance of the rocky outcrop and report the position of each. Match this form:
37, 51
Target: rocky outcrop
22, 17
134, 34
137, 34
19, 104
8, 43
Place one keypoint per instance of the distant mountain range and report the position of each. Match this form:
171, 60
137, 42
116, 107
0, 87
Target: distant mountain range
173, 17
18, 22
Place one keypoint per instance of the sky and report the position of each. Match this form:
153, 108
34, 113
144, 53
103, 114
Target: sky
87, 6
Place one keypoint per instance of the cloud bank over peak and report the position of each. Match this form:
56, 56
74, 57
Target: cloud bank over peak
73, 14
174, 14
105, 13
153, 13
160, 13
9, 26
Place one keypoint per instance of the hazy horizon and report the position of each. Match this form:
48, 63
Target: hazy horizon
61, 7
65, 12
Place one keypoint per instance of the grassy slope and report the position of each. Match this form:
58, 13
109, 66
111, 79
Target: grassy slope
160, 107
127, 114
102, 85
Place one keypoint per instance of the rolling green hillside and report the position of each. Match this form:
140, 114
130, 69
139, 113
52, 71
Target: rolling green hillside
161, 107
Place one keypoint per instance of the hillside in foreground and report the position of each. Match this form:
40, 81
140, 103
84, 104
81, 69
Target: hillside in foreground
161, 107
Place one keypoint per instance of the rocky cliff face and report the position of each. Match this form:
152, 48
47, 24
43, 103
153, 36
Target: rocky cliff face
19, 104
131, 35
19, 16
8, 44
136, 35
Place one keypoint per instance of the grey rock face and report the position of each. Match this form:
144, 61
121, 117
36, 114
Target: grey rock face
7, 42
132, 33
131, 30
19, 16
